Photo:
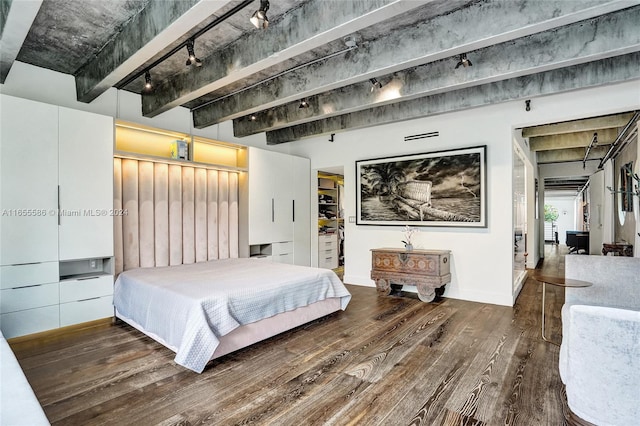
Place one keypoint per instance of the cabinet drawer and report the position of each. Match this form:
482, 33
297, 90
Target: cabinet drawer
13, 276
328, 259
86, 310
322, 254
30, 321
420, 262
283, 258
285, 247
327, 238
18, 299
327, 242
328, 264
86, 288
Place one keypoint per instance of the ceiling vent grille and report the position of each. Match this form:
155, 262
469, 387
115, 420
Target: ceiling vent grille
421, 136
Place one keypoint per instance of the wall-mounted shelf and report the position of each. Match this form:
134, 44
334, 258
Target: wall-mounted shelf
85, 268
146, 143
155, 159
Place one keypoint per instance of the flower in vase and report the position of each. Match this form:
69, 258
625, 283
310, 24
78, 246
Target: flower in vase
408, 235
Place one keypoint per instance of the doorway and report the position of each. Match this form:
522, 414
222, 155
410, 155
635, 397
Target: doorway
520, 240
330, 219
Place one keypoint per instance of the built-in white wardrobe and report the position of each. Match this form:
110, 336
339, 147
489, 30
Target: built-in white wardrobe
279, 207
56, 216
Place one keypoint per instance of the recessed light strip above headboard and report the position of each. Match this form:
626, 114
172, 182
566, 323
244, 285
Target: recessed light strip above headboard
421, 136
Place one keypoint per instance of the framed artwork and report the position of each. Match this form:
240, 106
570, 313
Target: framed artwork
444, 188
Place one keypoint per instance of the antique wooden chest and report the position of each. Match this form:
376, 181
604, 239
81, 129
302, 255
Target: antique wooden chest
428, 270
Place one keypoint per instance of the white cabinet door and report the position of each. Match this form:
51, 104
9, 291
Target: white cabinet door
282, 183
270, 200
86, 185
260, 197
301, 186
28, 181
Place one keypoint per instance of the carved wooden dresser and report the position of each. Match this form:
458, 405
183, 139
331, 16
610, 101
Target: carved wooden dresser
428, 270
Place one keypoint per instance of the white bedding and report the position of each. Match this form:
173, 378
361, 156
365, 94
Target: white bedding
18, 403
189, 307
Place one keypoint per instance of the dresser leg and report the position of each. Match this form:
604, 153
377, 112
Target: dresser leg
383, 286
426, 293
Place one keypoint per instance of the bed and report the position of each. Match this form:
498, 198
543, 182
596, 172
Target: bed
18, 403
205, 310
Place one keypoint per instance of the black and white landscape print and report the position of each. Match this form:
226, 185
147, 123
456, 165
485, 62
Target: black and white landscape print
445, 188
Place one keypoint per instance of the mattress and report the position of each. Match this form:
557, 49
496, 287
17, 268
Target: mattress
188, 308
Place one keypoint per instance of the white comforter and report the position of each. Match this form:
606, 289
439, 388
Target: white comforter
18, 403
188, 307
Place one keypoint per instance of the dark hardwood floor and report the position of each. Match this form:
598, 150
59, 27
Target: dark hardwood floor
383, 361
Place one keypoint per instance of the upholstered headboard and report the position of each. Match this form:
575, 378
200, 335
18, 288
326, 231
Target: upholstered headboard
173, 214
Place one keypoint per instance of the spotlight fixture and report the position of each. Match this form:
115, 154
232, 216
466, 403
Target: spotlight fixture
192, 56
375, 84
304, 104
464, 61
147, 80
259, 18
253, 117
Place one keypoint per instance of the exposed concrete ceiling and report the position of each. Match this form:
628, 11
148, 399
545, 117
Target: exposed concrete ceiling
586, 142
326, 52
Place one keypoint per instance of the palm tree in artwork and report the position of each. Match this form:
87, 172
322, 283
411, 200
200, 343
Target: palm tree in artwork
385, 177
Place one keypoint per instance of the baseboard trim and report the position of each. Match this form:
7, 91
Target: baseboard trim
36, 338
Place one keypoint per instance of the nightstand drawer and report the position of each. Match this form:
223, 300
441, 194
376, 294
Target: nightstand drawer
13, 276
86, 288
19, 299
86, 310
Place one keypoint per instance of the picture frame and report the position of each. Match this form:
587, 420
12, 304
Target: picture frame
440, 188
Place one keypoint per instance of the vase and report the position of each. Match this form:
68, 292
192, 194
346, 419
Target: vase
408, 247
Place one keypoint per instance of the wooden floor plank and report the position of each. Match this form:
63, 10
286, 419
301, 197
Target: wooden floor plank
383, 361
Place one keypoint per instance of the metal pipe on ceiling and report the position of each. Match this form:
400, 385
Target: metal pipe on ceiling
622, 140
594, 142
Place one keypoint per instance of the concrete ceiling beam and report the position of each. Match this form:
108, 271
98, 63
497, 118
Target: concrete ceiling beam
586, 125
442, 37
157, 26
294, 35
602, 37
568, 169
17, 17
592, 74
572, 140
570, 154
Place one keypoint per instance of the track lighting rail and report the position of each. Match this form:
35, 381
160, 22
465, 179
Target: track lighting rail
180, 46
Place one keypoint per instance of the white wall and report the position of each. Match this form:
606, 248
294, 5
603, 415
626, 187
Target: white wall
481, 258
567, 214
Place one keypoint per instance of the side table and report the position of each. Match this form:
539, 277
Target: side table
560, 282
618, 249
428, 270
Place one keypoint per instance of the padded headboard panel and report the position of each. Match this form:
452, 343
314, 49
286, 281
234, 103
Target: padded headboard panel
174, 214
